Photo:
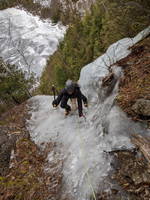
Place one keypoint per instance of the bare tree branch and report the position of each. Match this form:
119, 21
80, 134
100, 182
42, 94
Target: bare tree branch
19, 51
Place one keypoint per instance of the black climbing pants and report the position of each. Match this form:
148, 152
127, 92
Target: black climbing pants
64, 104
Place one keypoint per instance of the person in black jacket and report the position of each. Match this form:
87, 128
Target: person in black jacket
72, 90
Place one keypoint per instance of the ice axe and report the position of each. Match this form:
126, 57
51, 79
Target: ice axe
54, 91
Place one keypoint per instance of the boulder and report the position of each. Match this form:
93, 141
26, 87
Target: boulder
142, 107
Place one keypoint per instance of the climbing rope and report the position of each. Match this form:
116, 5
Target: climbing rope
81, 145
85, 161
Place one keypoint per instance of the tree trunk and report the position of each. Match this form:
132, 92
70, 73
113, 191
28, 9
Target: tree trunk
15, 100
28, 93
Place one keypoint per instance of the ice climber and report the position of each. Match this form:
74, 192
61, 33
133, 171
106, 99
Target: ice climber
71, 91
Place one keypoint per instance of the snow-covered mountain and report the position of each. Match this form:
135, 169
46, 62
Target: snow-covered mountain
44, 3
83, 143
81, 5
26, 40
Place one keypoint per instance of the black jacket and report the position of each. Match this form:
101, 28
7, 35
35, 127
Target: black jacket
76, 94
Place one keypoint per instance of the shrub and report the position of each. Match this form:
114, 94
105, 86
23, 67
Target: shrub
14, 85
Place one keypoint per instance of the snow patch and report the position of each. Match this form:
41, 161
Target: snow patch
44, 3
26, 40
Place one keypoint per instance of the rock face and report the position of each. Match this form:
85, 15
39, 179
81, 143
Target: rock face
133, 175
6, 146
142, 107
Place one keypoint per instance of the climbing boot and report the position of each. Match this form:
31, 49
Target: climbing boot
86, 105
67, 112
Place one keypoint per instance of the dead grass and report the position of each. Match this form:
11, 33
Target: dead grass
136, 81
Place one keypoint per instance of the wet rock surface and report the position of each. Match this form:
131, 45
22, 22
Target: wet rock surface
132, 173
130, 177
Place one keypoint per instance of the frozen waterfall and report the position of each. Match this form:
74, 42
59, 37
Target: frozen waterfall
84, 143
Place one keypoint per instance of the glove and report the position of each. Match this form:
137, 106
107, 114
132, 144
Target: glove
54, 103
86, 105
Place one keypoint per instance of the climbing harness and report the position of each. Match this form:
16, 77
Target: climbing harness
73, 102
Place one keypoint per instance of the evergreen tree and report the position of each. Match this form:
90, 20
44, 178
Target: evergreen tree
14, 84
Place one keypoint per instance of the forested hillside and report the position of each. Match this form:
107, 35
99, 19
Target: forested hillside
88, 37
